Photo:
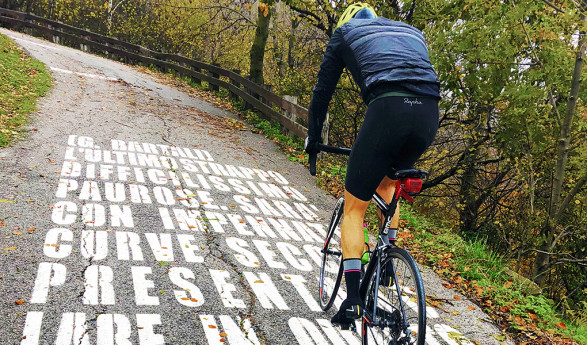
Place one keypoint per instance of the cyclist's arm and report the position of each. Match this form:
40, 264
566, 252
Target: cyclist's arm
330, 71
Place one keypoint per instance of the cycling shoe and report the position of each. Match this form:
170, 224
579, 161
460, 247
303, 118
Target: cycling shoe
350, 310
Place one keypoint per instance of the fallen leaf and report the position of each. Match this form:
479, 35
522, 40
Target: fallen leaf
562, 325
19, 301
458, 298
454, 312
2, 224
499, 337
222, 334
162, 263
471, 308
31, 230
17, 233
193, 300
256, 281
10, 248
454, 335
6, 201
211, 326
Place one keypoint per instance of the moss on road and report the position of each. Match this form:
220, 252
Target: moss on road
22, 81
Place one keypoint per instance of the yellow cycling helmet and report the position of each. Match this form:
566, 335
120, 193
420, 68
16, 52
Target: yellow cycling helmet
352, 10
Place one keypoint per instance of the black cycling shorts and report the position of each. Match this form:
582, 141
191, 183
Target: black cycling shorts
396, 132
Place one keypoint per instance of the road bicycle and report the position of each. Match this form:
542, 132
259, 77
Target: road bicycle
391, 286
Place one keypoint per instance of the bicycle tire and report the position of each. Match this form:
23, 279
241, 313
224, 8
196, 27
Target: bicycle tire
399, 314
331, 267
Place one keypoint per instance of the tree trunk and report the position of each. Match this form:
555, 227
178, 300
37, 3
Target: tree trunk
565, 132
258, 48
542, 263
291, 43
468, 213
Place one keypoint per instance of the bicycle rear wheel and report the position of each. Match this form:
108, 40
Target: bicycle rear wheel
331, 268
395, 309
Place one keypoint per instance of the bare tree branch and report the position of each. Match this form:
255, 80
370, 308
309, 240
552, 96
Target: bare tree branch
553, 6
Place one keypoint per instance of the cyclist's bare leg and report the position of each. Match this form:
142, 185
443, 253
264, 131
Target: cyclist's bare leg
353, 239
385, 190
352, 226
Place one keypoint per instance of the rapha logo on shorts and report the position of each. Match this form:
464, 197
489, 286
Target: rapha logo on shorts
411, 102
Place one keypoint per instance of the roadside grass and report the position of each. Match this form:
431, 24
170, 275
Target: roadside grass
22, 81
468, 266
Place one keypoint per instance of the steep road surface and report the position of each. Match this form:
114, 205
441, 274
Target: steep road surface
133, 213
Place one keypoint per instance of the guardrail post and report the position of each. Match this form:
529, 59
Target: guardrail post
248, 105
214, 75
47, 32
289, 115
233, 95
325, 129
269, 88
194, 79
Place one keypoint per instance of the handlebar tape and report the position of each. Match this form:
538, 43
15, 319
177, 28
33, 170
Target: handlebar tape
312, 161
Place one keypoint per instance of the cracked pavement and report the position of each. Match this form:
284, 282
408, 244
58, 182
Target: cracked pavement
167, 234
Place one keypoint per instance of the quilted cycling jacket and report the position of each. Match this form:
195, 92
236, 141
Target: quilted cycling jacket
382, 55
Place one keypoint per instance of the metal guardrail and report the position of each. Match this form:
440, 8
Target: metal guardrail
252, 94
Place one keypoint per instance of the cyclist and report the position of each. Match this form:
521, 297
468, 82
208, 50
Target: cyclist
390, 63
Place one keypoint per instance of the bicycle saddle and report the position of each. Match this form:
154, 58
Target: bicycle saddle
410, 173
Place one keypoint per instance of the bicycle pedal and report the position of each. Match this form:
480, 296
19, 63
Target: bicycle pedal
346, 326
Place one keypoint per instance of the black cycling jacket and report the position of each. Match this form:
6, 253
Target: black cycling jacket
382, 55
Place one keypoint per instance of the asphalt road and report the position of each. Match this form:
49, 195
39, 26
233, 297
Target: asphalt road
132, 213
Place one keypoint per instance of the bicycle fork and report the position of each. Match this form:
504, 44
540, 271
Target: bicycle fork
395, 323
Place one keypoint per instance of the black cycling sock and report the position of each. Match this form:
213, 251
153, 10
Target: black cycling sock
352, 276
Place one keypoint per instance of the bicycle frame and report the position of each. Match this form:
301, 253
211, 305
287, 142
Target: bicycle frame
388, 210
386, 240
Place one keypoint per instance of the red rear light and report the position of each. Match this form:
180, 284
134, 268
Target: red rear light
411, 185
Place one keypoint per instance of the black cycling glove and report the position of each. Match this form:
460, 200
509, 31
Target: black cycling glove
311, 146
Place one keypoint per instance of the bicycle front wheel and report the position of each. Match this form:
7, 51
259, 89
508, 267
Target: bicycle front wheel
395, 305
331, 268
